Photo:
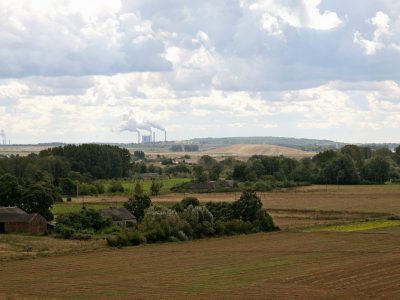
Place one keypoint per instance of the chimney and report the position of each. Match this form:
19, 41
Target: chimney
138, 137
165, 134
154, 137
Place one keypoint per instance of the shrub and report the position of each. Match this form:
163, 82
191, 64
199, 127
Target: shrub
200, 220
115, 187
64, 232
236, 226
264, 221
87, 189
83, 220
161, 223
185, 202
118, 240
135, 238
155, 187
222, 211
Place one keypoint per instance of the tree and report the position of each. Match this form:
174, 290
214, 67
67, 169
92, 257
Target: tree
138, 203
199, 174
376, 169
155, 187
68, 186
247, 206
39, 198
139, 154
10, 190
341, 170
239, 172
215, 172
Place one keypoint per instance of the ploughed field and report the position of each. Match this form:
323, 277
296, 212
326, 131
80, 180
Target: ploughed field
280, 265
351, 258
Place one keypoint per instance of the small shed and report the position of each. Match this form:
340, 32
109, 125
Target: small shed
119, 215
15, 220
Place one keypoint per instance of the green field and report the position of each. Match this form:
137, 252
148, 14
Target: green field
167, 184
65, 207
361, 226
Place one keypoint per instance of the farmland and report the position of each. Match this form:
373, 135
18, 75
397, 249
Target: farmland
326, 249
280, 265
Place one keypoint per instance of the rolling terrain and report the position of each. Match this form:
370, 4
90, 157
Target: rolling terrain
306, 260
246, 150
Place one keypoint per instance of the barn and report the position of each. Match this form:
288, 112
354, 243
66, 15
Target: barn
119, 215
15, 220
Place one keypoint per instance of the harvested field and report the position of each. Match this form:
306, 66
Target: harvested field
247, 150
297, 219
352, 198
18, 246
282, 265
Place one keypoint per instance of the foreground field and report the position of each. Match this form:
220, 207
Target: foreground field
283, 265
350, 259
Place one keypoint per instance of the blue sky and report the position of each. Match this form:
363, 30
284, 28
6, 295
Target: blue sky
76, 71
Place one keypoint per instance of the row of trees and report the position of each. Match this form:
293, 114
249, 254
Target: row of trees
351, 165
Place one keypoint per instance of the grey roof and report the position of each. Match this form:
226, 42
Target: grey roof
17, 217
117, 214
15, 210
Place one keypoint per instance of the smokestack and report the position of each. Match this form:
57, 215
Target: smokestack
165, 134
138, 137
154, 137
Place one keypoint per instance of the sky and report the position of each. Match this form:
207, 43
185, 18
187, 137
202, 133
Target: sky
76, 70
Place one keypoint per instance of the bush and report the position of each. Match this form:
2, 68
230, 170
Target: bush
118, 240
185, 202
86, 219
64, 232
237, 227
264, 221
200, 220
161, 223
126, 238
115, 187
135, 238
87, 189
222, 211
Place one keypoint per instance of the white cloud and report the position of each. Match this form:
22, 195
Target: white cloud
205, 68
382, 31
77, 38
276, 15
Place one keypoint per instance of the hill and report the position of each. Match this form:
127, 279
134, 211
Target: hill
298, 143
260, 149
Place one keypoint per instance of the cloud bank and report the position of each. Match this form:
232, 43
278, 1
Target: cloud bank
69, 70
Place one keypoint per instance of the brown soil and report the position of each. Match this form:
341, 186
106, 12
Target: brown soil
282, 265
379, 199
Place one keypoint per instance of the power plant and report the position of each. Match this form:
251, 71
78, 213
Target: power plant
146, 130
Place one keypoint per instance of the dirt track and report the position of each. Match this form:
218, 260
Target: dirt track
283, 265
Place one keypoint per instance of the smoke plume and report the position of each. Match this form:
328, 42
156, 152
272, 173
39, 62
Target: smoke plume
130, 123
3, 136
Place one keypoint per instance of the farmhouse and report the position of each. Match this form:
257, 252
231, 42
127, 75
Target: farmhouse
119, 215
15, 220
